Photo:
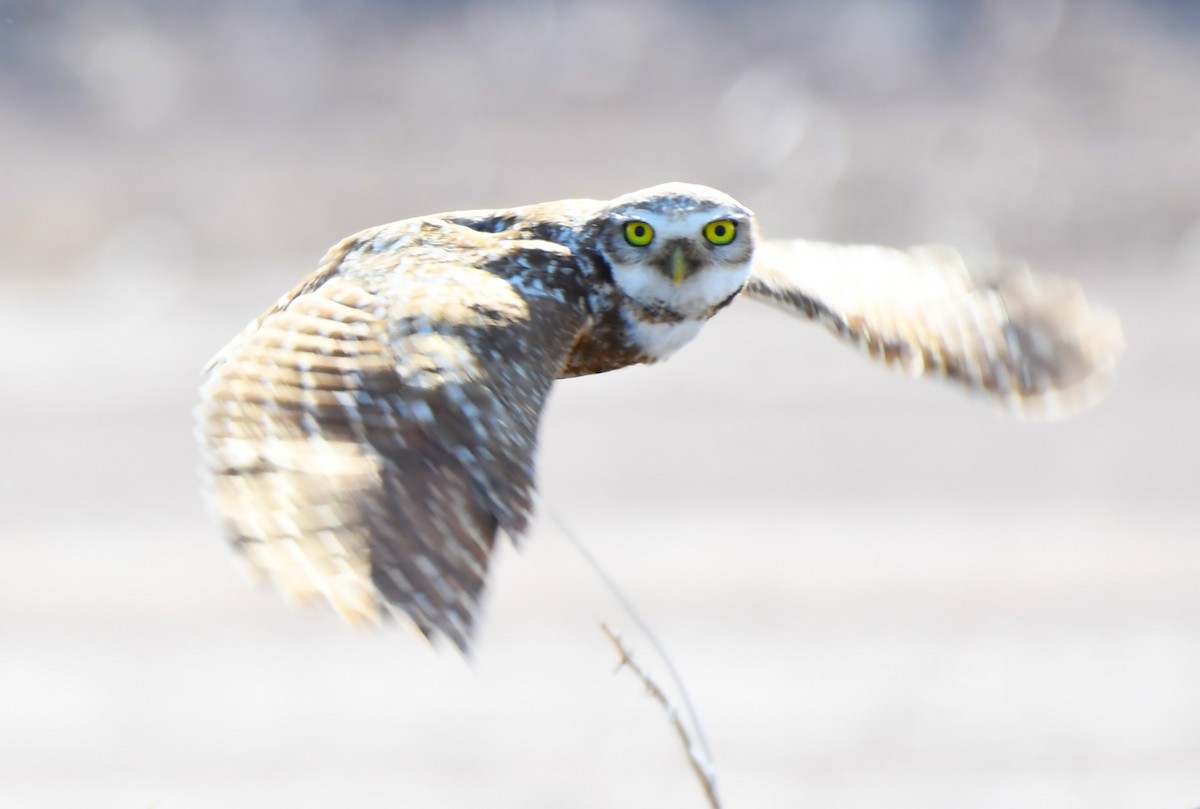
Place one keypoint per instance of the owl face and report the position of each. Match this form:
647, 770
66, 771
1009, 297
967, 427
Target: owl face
677, 248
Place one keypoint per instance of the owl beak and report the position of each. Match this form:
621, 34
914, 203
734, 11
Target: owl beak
679, 265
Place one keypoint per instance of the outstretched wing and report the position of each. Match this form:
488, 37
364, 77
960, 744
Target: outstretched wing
1031, 341
367, 436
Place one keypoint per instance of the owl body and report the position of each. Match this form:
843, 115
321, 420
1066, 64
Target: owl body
368, 437
541, 251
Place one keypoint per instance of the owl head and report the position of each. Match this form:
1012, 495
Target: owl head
677, 249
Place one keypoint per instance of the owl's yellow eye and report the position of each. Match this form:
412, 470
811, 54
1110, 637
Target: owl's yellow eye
639, 234
720, 231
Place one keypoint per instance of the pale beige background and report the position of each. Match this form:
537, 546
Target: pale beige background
881, 593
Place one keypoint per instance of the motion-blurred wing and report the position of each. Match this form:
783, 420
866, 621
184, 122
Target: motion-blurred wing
1031, 341
369, 434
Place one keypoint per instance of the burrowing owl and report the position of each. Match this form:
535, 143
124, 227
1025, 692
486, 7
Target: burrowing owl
369, 434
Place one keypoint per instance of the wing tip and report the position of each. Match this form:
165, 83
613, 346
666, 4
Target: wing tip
1086, 341
1062, 402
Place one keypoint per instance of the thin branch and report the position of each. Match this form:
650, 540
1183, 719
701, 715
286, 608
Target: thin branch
636, 617
697, 757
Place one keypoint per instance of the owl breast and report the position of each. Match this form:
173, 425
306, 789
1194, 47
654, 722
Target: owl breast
657, 341
619, 340
603, 346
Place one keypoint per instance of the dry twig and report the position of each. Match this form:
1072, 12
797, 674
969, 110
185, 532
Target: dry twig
701, 765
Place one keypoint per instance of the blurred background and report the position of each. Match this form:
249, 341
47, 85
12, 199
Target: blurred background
881, 593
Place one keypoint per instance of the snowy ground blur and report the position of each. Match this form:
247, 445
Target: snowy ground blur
880, 593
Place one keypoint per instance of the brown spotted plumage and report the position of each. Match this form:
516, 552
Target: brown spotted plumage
370, 434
